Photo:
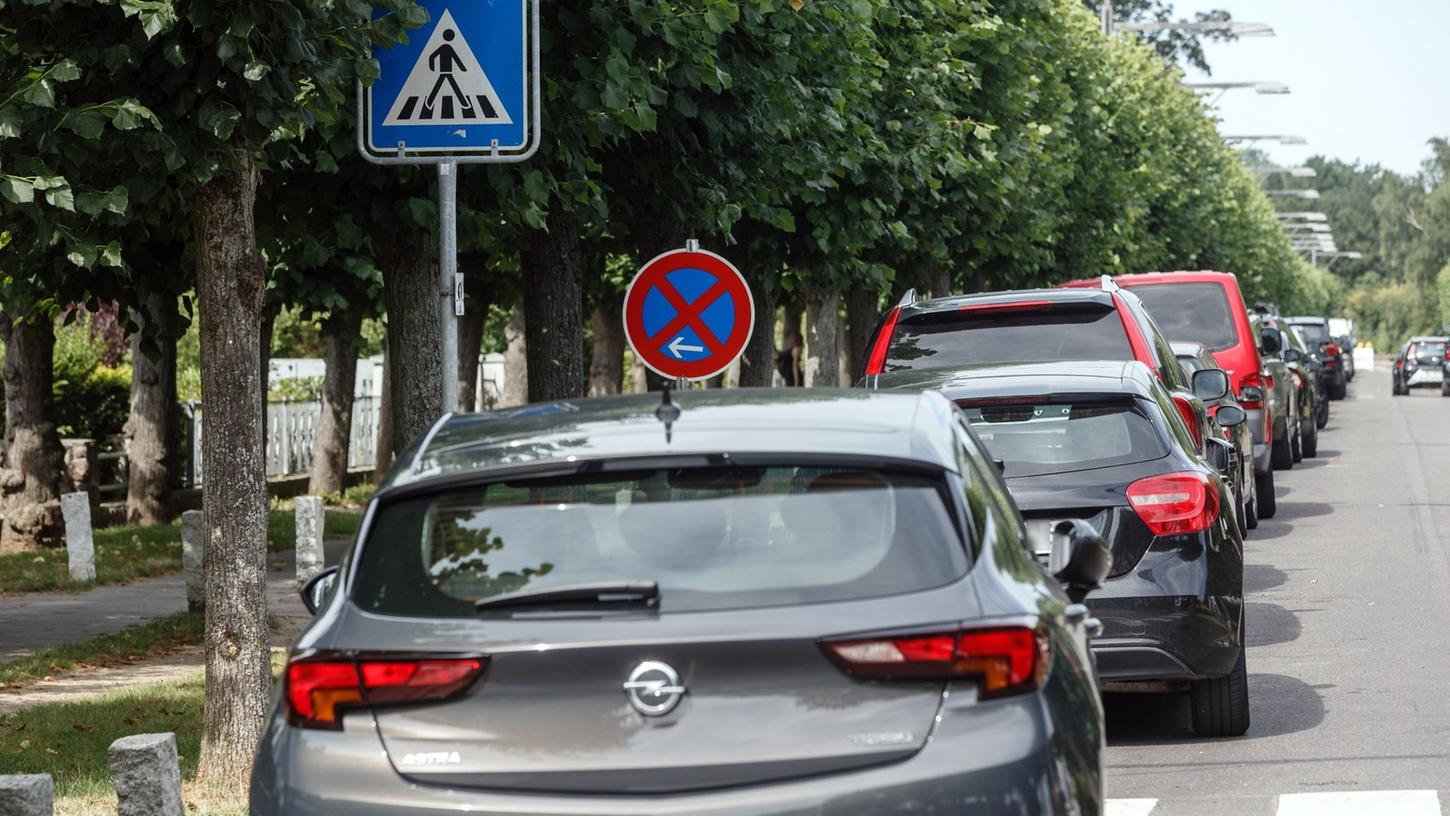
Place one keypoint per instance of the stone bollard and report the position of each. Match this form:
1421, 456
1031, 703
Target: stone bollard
26, 795
309, 538
193, 536
79, 545
147, 775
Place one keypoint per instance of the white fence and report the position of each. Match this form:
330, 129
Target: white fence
291, 428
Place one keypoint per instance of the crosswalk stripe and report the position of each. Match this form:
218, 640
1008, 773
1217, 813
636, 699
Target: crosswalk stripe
1361, 803
1130, 807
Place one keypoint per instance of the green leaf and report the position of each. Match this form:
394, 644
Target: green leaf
17, 190
40, 94
82, 254
86, 124
9, 124
62, 197
65, 71
111, 255
222, 120
118, 200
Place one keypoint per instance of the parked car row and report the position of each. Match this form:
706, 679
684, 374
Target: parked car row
885, 600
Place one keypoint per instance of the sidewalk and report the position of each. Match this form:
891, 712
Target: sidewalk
35, 621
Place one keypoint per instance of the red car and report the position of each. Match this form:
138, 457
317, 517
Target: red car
1208, 308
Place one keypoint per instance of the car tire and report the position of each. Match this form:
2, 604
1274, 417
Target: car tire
1221, 704
1241, 512
1283, 452
1296, 445
1266, 504
1251, 508
1339, 392
1445, 389
1395, 387
1309, 444
1321, 418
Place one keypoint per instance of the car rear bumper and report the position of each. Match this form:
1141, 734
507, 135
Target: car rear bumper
1424, 377
301, 772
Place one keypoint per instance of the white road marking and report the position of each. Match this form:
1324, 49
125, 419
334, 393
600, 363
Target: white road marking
1130, 807
1360, 803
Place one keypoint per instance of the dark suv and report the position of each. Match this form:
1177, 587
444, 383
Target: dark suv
1334, 370
1098, 322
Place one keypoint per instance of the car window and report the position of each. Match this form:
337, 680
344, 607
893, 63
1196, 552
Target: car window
712, 538
1190, 363
1191, 312
952, 340
1313, 333
1041, 437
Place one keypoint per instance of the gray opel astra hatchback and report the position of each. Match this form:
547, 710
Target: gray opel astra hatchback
742, 602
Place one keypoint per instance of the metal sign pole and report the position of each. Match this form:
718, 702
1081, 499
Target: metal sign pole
450, 303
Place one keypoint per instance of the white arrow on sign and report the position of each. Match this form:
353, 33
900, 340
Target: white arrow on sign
677, 345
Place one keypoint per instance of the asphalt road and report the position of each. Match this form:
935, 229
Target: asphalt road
1348, 602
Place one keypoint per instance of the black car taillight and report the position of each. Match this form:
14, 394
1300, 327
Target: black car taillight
321, 687
1003, 660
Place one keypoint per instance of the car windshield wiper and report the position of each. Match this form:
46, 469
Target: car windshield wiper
645, 593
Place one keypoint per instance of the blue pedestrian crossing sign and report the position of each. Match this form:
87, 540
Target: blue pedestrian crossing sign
462, 87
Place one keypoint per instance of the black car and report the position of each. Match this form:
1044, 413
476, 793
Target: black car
1103, 442
739, 602
1420, 364
1196, 357
1334, 360
1281, 340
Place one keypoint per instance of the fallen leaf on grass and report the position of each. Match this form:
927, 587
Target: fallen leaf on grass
52, 752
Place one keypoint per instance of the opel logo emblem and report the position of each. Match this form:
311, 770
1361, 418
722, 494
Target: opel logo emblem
654, 688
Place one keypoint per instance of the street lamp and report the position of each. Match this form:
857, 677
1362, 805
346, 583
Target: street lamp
1301, 216
1266, 88
1274, 169
1280, 138
1237, 28
1309, 194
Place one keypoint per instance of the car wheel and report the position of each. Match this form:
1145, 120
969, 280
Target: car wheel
1266, 504
1251, 508
1296, 445
1309, 444
1221, 705
1241, 512
1395, 387
1283, 453
1338, 392
1321, 418
1445, 389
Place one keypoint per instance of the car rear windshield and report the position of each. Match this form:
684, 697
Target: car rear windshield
960, 339
1191, 312
1427, 351
711, 538
1035, 438
1313, 333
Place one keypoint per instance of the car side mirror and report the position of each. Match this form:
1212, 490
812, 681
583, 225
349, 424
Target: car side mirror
316, 590
1210, 384
1220, 454
1271, 341
1229, 416
1088, 560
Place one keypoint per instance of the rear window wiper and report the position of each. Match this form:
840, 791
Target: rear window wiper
643, 593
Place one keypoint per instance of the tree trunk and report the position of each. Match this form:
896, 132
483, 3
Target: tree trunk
515, 362
339, 386
606, 366
34, 461
638, 375
150, 429
470, 329
757, 363
792, 322
823, 323
862, 315
554, 309
941, 282
230, 285
410, 284
383, 451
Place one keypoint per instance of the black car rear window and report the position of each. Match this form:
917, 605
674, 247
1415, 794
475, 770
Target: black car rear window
1313, 333
1427, 351
959, 339
711, 538
1036, 438
1190, 312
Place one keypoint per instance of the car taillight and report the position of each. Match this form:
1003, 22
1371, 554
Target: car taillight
876, 362
320, 689
1190, 417
1251, 391
1005, 660
1174, 503
1017, 306
1332, 349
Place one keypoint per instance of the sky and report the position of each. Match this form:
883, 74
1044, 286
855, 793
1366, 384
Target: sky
1369, 81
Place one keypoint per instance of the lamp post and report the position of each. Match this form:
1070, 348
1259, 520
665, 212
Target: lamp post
1284, 139
1234, 27
1307, 194
1298, 171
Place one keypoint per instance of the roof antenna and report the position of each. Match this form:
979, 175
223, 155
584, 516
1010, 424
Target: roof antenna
668, 412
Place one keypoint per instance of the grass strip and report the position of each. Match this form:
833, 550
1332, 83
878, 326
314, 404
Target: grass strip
152, 639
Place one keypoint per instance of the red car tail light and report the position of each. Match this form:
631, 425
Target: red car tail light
1004, 660
876, 362
1190, 418
1332, 349
1174, 503
319, 690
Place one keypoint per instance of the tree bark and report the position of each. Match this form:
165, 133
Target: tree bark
823, 322
339, 386
792, 322
470, 329
941, 282
606, 366
410, 284
554, 309
638, 375
230, 283
383, 451
30, 481
150, 429
862, 314
757, 363
515, 362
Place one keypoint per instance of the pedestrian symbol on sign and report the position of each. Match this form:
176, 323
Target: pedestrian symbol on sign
447, 85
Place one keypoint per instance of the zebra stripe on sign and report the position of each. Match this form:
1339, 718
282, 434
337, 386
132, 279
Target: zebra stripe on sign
447, 85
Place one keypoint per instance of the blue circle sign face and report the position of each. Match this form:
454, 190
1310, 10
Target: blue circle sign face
688, 314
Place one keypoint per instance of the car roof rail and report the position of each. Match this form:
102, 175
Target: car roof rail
1108, 284
908, 299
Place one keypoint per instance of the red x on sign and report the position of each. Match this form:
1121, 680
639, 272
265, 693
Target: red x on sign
688, 314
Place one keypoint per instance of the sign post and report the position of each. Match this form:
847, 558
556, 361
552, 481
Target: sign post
465, 89
688, 314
